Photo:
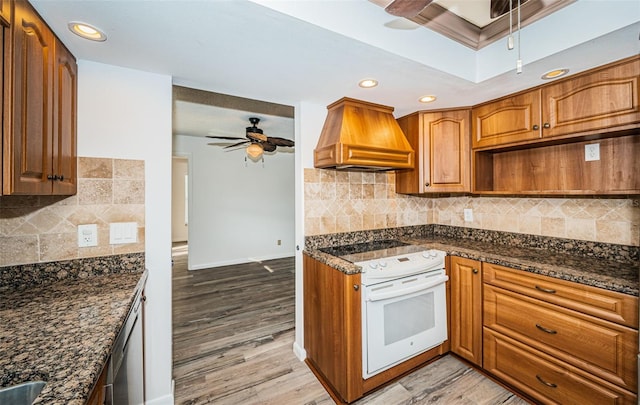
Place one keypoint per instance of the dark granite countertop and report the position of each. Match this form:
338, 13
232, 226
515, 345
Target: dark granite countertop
63, 332
597, 272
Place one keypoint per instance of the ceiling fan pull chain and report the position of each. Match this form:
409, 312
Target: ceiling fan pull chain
519, 61
510, 38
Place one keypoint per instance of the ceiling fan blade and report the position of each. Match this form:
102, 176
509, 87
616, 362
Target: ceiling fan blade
268, 146
236, 144
224, 137
254, 136
407, 8
280, 141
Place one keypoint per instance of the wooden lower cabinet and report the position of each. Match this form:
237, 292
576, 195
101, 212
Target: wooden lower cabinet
544, 377
558, 341
332, 327
466, 309
98, 394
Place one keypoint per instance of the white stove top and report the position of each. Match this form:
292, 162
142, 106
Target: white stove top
387, 268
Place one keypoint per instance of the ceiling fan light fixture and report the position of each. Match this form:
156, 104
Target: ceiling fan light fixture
427, 99
554, 74
87, 31
254, 151
367, 83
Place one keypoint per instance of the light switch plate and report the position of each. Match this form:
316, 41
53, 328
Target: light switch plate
468, 215
87, 235
591, 152
123, 232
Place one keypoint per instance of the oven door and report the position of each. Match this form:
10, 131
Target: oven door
402, 318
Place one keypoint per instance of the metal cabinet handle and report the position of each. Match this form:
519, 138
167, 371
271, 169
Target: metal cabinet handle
552, 385
546, 290
51, 177
356, 287
61, 177
475, 271
549, 331
427, 184
546, 125
536, 127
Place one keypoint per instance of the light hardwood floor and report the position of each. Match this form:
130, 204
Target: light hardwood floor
233, 331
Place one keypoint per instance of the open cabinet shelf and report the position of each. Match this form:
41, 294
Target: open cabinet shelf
561, 169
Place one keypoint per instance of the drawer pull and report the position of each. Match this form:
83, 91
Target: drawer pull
547, 290
549, 331
552, 385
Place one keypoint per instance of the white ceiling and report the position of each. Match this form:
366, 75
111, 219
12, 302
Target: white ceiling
288, 51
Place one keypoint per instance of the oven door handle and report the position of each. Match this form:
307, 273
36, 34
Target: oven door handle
394, 292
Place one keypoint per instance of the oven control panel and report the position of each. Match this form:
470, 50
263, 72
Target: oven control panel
388, 268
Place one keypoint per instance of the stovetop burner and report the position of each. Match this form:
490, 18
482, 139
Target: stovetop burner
371, 250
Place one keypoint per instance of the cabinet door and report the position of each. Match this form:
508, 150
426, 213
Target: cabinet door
64, 154
466, 309
332, 327
510, 120
446, 162
5, 11
28, 149
603, 99
441, 142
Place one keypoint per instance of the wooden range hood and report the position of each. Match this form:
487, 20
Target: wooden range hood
359, 135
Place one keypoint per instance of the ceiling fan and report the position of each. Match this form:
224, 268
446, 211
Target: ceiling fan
255, 139
411, 8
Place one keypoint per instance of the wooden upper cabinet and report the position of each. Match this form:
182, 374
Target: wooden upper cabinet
441, 142
29, 154
512, 119
64, 154
39, 151
603, 99
5, 12
599, 101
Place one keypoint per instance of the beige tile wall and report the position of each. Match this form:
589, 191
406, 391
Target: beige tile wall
350, 201
42, 229
338, 201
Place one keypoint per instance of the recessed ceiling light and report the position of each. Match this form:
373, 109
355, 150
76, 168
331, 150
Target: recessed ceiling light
368, 83
87, 31
427, 99
552, 74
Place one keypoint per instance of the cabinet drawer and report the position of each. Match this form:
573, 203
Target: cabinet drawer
605, 304
544, 378
602, 348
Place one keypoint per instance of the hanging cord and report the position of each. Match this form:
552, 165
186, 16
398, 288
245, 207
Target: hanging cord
510, 38
519, 61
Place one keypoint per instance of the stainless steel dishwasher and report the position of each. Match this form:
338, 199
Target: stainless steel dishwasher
125, 376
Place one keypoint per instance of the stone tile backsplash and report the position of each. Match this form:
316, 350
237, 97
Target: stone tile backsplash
35, 229
338, 202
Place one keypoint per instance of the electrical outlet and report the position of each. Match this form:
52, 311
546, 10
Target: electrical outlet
87, 235
591, 152
279, 242
468, 215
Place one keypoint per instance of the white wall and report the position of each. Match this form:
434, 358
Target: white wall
179, 227
309, 118
126, 114
238, 209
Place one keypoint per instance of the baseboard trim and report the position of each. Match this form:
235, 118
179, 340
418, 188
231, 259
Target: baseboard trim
240, 261
299, 351
165, 400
